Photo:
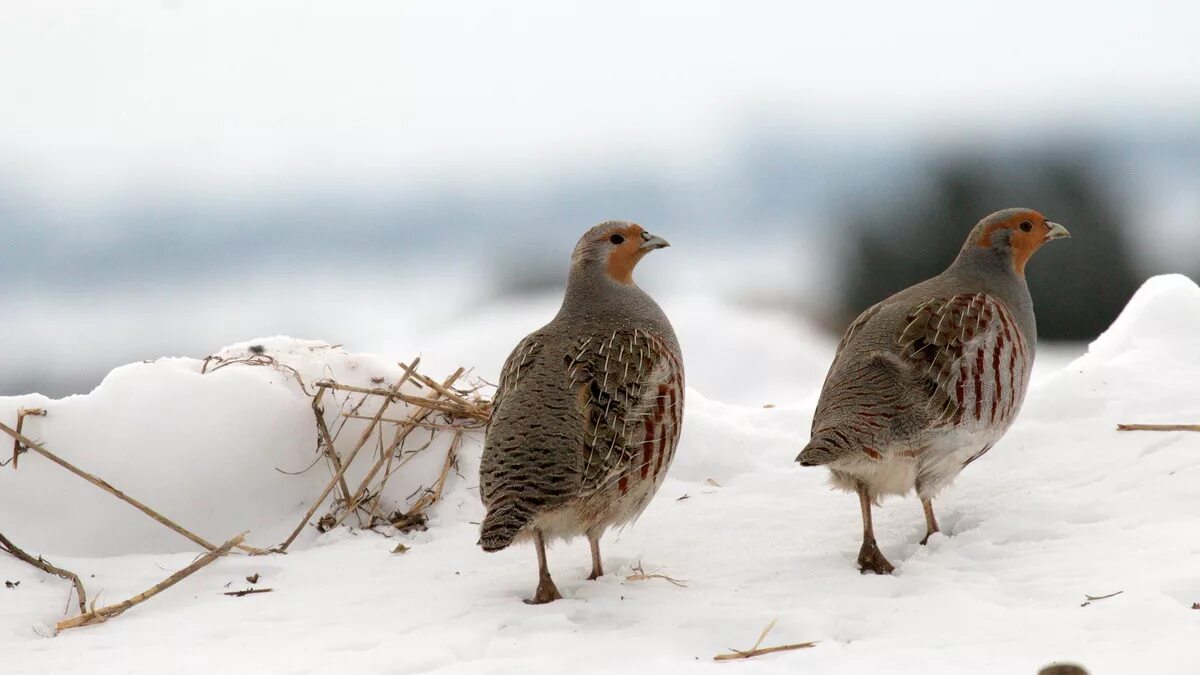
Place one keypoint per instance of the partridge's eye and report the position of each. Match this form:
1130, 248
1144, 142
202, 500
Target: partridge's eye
617, 239
1026, 226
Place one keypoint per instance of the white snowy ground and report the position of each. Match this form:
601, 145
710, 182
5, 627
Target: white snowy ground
1064, 507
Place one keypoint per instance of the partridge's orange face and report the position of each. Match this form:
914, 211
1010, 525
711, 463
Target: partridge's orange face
1026, 229
630, 243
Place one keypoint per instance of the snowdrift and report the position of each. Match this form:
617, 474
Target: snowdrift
219, 445
1065, 507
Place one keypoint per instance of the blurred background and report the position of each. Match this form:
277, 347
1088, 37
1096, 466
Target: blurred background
410, 177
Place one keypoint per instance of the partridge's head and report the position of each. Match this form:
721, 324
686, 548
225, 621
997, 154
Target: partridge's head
616, 247
1017, 233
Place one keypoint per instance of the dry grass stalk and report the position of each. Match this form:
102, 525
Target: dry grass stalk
399, 457
460, 408
42, 564
21, 415
326, 441
389, 469
457, 407
415, 420
105, 485
758, 650
343, 421
432, 495
640, 575
103, 614
339, 476
255, 358
1158, 427
248, 591
452, 408
402, 433
1094, 598
370, 429
340, 472
452, 395
451, 426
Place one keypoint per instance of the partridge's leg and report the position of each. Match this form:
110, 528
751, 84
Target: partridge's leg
870, 558
931, 525
594, 539
546, 590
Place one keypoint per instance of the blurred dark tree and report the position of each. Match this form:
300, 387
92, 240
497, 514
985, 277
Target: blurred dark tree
1078, 286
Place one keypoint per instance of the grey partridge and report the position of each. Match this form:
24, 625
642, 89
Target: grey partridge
588, 409
928, 380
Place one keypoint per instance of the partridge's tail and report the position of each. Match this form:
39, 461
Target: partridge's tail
502, 524
823, 448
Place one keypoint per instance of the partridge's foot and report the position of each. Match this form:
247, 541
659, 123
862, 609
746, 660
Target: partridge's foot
870, 559
546, 592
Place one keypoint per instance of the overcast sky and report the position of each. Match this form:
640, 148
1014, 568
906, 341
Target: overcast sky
101, 96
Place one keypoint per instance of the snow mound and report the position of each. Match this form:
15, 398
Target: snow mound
1143, 369
219, 446
1166, 309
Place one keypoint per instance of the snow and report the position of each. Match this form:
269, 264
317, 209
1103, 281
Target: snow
219, 453
1062, 508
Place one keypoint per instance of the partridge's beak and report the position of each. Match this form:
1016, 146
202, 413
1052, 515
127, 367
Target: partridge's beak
1056, 231
652, 242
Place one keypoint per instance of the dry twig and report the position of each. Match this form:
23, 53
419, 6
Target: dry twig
254, 358
105, 613
340, 473
326, 441
39, 562
1158, 427
446, 391
640, 575
248, 591
319, 500
21, 415
431, 495
1094, 598
756, 651
402, 434
424, 425
104, 485
456, 407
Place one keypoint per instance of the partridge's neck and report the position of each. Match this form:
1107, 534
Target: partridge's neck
592, 294
985, 270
